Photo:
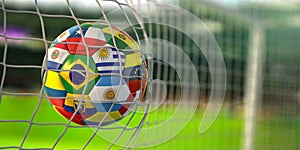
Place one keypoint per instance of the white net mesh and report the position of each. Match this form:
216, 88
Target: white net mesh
222, 75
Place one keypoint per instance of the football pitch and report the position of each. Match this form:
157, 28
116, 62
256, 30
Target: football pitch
225, 133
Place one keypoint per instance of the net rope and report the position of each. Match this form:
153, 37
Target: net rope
40, 94
165, 50
231, 24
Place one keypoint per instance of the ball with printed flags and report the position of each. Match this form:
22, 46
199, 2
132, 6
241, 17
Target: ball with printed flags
94, 73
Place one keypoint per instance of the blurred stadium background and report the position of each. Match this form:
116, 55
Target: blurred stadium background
260, 45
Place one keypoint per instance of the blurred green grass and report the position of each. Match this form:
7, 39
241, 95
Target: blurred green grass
278, 133
22, 108
225, 133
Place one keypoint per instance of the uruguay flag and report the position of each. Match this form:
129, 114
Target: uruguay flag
56, 57
109, 60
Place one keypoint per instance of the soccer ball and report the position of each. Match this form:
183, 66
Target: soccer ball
96, 71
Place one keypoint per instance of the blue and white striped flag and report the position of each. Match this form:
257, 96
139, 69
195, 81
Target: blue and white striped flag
108, 92
109, 89
109, 60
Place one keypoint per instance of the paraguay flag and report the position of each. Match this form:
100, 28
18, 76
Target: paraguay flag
109, 89
56, 57
109, 60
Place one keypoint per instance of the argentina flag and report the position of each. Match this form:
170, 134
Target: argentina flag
109, 61
109, 89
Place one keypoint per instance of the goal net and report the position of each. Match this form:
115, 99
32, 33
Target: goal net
41, 78
211, 74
